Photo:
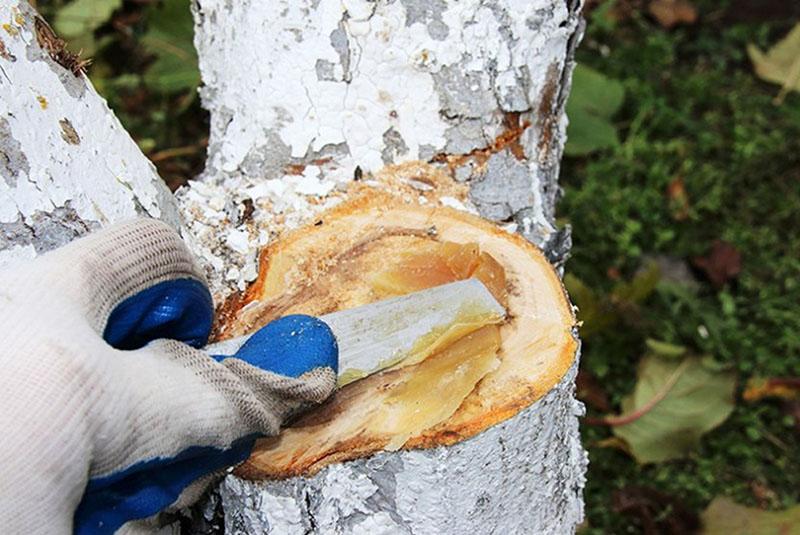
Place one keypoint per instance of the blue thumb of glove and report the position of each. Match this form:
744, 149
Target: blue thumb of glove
181, 309
291, 346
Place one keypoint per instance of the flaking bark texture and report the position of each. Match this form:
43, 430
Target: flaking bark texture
66, 163
522, 476
305, 96
334, 91
314, 94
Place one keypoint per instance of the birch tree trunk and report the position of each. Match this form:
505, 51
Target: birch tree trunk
309, 94
304, 96
66, 163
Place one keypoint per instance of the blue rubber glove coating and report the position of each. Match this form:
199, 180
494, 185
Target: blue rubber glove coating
150, 486
175, 309
291, 346
183, 310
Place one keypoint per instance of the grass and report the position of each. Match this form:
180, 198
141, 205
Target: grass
695, 112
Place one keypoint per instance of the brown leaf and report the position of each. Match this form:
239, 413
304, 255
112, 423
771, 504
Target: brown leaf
669, 13
612, 443
678, 199
589, 391
722, 264
787, 388
658, 513
765, 496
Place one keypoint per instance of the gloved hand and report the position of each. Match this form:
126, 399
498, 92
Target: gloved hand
108, 413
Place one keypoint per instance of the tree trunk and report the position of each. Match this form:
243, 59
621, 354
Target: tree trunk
304, 97
524, 475
66, 163
313, 94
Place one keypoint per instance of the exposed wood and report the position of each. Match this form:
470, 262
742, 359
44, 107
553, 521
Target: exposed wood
449, 103
329, 267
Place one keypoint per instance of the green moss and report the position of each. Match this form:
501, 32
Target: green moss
693, 111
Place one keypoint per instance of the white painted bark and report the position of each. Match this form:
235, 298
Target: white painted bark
323, 86
66, 163
524, 475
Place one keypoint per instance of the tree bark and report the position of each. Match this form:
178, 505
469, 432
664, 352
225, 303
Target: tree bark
522, 476
304, 97
66, 163
314, 93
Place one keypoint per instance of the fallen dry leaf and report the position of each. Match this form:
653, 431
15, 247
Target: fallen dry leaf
765, 496
722, 264
612, 443
726, 517
669, 13
675, 402
678, 199
780, 64
787, 388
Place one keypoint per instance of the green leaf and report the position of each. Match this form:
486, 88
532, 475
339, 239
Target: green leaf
587, 133
170, 37
664, 349
81, 17
594, 99
726, 517
781, 63
673, 404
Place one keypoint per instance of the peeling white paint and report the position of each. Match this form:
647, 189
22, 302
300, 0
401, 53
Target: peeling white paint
226, 242
524, 475
385, 77
284, 509
71, 151
16, 253
359, 83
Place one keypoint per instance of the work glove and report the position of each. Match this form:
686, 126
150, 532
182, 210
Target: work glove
108, 412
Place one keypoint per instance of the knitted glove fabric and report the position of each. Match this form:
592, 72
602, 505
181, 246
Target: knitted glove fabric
107, 409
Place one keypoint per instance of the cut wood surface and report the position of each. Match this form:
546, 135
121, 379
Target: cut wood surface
329, 266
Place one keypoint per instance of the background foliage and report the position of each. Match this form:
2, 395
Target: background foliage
682, 185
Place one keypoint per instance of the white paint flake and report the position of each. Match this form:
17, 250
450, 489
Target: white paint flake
227, 240
351, 71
